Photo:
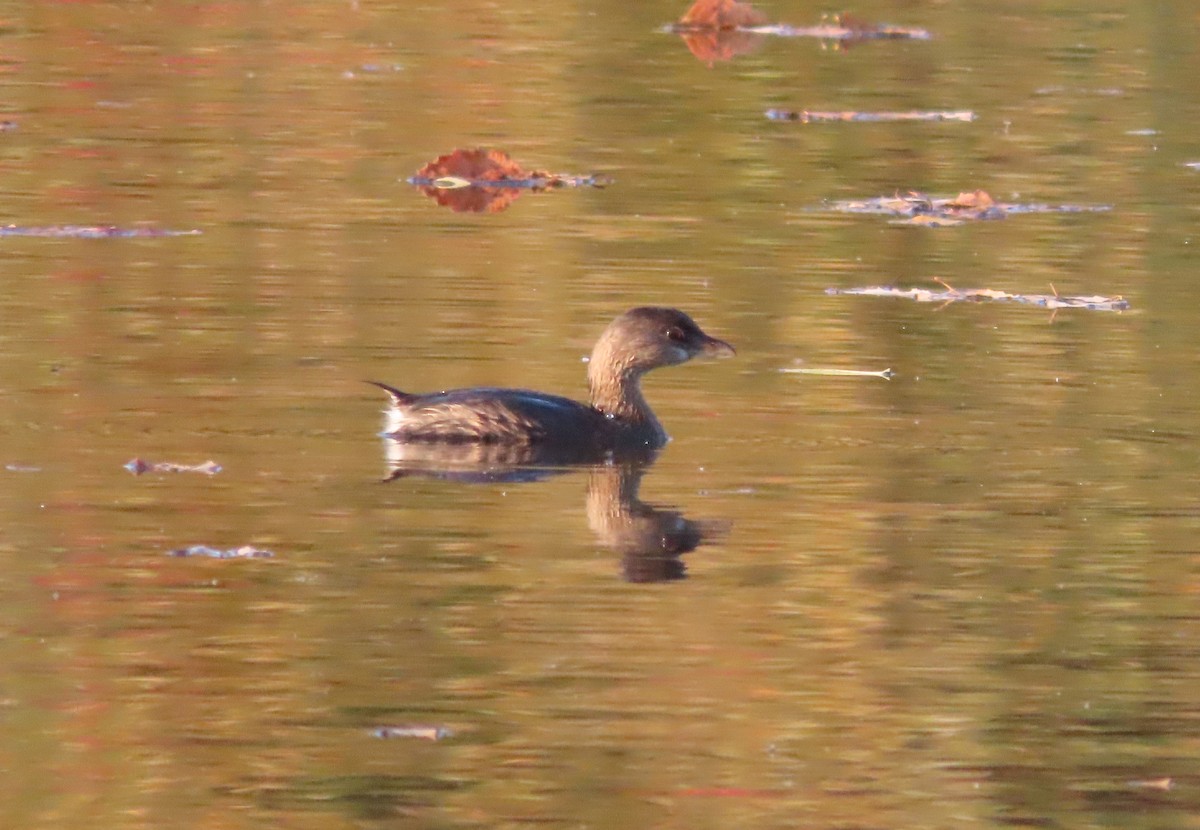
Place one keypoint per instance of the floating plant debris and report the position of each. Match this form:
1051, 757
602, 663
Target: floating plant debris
720, 30
886, 374
244, 552
137, 466
1106, 92
950, 295
918, 209
424, 733
90, 232
1164, 784
482, 180
818, 117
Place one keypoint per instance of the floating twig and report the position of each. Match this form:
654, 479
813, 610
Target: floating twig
91, 232
915, 208
1164, 784
420, 731
819, 117
137, 466
243, 552
949, 295
886, 374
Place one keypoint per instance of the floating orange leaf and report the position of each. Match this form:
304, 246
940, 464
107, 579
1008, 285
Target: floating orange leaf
481, 180
722, 14
478, 165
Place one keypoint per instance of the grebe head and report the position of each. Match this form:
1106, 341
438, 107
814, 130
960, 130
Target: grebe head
647, 337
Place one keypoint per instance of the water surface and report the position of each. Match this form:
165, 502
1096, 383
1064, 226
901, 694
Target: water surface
962, 597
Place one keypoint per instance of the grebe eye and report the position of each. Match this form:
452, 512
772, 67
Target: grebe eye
675, 333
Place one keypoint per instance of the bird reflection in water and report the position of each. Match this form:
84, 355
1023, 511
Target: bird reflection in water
651, 539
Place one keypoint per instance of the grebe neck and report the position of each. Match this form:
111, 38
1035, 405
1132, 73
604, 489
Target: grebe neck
615, 383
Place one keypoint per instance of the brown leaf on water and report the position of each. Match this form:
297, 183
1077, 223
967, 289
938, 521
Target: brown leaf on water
722, 14
973, 200
930, 220
480, 180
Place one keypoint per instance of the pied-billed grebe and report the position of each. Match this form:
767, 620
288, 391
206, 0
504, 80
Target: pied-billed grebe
636, 342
